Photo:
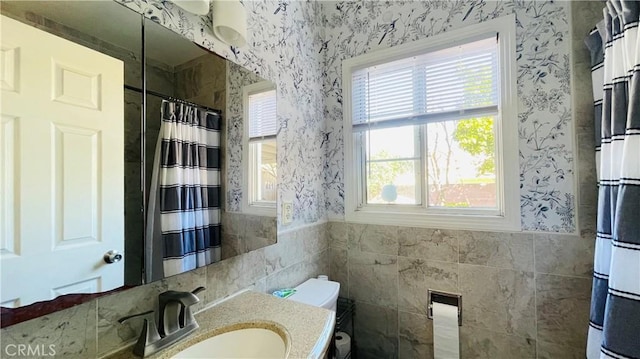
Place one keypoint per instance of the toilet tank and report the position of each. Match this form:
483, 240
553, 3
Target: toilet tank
317, 292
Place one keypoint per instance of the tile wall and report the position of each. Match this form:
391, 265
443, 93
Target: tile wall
242, 233
523, 293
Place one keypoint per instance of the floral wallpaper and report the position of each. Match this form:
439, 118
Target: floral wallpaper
300, 45
238, 77
283, 43
547, 195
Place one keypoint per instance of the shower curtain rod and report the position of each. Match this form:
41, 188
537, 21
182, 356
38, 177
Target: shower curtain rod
170, 98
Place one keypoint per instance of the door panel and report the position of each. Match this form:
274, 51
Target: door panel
62, 157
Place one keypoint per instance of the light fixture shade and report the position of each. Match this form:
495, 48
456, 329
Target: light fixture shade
230, 22
199, 7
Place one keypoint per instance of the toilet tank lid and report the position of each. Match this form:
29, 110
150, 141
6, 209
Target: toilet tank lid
316, 292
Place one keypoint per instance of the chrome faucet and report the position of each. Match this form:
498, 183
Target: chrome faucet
175, 321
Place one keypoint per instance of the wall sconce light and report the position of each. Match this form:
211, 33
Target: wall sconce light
199, 7
230, 22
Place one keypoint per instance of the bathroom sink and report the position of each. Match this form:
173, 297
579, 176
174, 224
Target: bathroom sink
254, 343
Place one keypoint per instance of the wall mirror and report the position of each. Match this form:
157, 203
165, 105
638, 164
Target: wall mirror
78, 149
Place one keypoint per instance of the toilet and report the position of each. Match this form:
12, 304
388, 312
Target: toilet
317, 292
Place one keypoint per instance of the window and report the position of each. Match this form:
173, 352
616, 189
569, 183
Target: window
260, 148
431, 131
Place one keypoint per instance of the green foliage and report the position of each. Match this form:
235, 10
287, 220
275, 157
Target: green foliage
476, 136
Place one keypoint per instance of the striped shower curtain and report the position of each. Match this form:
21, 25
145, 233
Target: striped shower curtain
185, 192
614, 330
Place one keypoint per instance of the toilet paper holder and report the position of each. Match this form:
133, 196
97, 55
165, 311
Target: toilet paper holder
435, 296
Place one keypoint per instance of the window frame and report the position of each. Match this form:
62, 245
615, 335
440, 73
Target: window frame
249, 166
507, 161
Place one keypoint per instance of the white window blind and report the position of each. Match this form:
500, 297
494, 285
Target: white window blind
262, 115
434, 86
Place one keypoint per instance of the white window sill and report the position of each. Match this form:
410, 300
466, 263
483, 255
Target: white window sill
510, 223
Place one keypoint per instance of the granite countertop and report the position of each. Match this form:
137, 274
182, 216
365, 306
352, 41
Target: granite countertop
307, 330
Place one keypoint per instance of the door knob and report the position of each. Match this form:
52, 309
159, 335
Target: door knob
112, 256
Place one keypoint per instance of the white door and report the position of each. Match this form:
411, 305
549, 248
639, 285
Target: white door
61, 167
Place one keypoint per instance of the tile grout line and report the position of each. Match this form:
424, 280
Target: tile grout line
397, 304
566, 275
535, 297
348, 269
96, 324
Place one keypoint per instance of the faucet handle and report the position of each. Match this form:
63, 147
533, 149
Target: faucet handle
174, 312
149, 334
124, 319
186, 316
184, 298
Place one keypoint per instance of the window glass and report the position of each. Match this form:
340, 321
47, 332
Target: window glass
461, 168
264, 159
393, 165
417, 145
261, 132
